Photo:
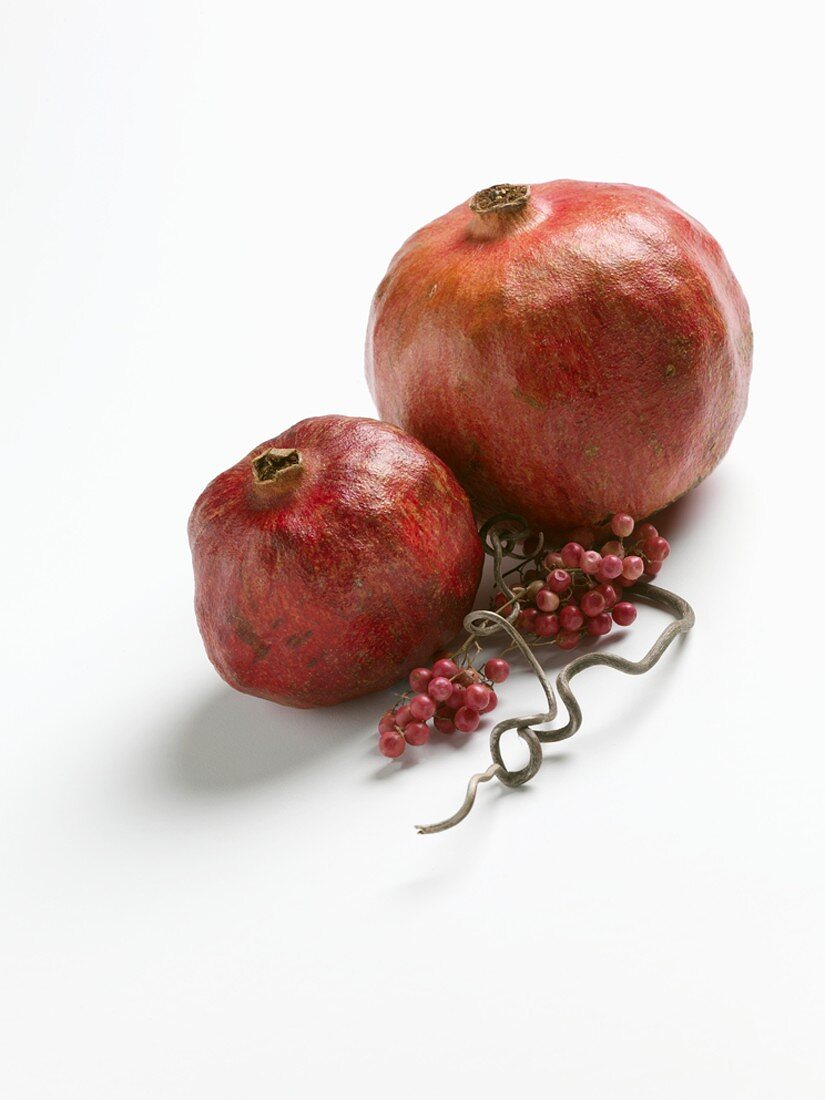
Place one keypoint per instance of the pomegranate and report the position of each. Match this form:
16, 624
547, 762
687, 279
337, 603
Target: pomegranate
330, 560
570, 349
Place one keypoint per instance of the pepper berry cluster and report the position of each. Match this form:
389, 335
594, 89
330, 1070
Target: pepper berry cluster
453, 698
561, 598
577, 592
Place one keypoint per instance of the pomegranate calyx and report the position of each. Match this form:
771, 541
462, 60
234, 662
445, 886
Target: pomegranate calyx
500, 197
501, 210
275, 464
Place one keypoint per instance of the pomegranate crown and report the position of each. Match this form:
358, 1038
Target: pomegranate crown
501, 196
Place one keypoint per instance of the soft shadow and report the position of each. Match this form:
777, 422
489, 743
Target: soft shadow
709, 495
637, 707
228, 741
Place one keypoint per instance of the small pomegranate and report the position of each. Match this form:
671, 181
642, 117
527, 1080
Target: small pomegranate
570, 349
330, 560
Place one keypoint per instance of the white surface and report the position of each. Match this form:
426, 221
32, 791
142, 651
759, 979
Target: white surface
209, 896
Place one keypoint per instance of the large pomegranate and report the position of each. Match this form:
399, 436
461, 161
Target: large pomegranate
569, 349
330, 560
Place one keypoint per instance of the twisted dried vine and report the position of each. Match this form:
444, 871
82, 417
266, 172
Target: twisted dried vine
483, 624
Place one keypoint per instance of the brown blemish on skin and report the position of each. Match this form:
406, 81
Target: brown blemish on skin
248, 636
295, 640
528, 399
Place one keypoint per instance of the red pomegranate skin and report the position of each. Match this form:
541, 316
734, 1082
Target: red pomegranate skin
584, 353
340, 570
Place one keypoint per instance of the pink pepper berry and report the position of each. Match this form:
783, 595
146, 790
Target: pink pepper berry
657, 548
571, 617
478, 696
553, 560
610, 568
403, 716
419, 678
466, 720
547, 625
422, 707
571, 554
492, 704
547, 600
591, 560
456, 700
632, 568
391, 744
558, 581
599, 624
624, 613
445, 667
497, 670
444, 724
567, 639
646, 531
611, 593
387, 722
652, 569
622, 525
527, 620
417, 733
593, 603
440, 689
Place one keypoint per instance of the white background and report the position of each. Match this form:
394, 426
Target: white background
208, 896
